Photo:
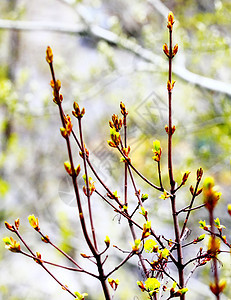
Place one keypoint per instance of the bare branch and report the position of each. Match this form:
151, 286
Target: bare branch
112, 38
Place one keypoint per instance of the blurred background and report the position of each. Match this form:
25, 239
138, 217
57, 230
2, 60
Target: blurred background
106, 52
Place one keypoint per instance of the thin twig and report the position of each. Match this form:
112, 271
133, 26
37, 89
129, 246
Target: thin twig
87, 183
41, 264
58, 265
138, 173
121, 264
191, 273
190, 208
60, 250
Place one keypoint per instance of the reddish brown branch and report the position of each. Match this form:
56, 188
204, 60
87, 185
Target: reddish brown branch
87, 183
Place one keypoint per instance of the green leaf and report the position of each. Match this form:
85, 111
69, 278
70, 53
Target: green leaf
81, 296
144, 197
156, 145
165, 253
149, 245
152, 285
217, 222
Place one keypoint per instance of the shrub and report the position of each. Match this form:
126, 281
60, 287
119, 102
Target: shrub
165, 251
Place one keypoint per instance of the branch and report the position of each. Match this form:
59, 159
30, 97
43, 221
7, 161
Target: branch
42, 26
87, 182
138, 173
58, 249
136, 224
40, 261
191, 273
112, 38
121, 264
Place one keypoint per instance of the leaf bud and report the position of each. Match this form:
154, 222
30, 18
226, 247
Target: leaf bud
115, 136
107, 241
199, 174
199, 192
191, 190
63, 132
199, 239
136, 245
85, 190
185, 177
175, 50
9, 227
82, 112
49, 55
52, 84
113, 283
165, 49
45, 239
170, 85
111, 124
68, 125
34, 222
170, 20
120, 124
216, 289
84, 255
76, 112
81, 296
126, 151
157, 151
211, 196
57, 85
67, 167
11, 244
124, 112
16, 222
214, 245
229, 208
114, 118
76, 107
77, 170
141, 286
38, 258
144, 197
180, 292
173, 129
111, 144
143, 212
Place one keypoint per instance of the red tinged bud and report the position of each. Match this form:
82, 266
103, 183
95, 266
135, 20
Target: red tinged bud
45, 239
199, 192
124, 112
185, 177
191, 190
229, 209
165, 49
199, 174
9, 227
173, 129
211, 196
49, 55
170, 85
170, 20
166, 128
77, 112
216, 289
175, 50
16, 222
